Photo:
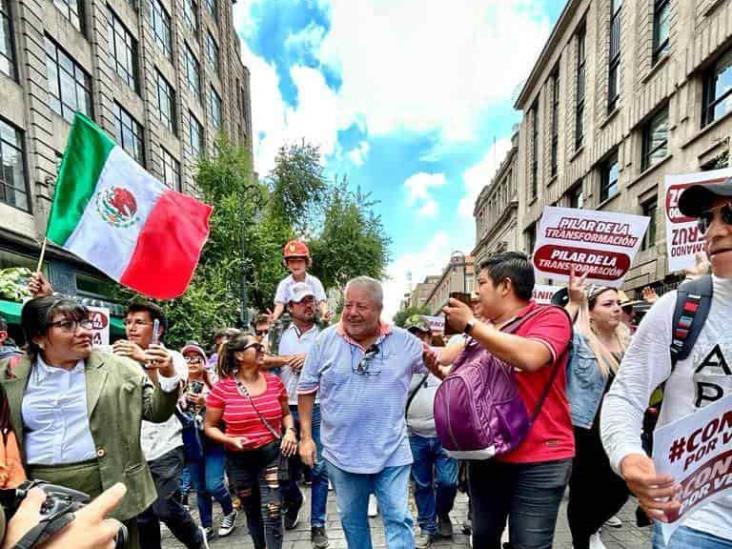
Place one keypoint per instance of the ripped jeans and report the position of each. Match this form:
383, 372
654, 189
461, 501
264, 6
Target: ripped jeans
253, 474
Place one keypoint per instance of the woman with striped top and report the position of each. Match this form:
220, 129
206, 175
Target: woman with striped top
252, 405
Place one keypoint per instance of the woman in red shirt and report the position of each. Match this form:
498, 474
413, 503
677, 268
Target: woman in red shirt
252, 405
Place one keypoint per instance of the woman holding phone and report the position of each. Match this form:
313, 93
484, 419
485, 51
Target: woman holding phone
252, 405
204, 457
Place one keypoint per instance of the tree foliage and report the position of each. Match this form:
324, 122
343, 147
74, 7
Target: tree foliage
400, 318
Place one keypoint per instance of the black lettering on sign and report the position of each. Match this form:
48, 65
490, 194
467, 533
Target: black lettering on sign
709, 392
715, 359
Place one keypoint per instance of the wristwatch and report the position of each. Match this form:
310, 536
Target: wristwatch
469, 326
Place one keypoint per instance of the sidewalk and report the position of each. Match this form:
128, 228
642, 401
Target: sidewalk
627, 537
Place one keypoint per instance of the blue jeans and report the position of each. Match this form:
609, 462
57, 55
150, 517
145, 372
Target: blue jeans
391, 487
291, 495
207, 476
435, 476
686, 537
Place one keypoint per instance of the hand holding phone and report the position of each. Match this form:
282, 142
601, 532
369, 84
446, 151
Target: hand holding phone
156, 332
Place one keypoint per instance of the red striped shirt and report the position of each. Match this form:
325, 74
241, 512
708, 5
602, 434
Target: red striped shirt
240, 418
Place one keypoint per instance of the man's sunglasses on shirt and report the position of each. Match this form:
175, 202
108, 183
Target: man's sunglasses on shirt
362, 368
706, 217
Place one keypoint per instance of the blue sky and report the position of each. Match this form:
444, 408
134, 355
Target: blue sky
412, 100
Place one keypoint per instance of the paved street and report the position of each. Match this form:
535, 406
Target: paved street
627, 537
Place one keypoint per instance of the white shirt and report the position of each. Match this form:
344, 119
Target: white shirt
421, 412
696, 382
55, 416
157, 439
293, 342
283, 288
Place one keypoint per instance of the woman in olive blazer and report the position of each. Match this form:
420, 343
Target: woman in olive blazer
95, 400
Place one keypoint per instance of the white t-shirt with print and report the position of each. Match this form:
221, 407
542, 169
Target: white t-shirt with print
283, 288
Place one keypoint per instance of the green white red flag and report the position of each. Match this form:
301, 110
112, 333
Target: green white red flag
110, 212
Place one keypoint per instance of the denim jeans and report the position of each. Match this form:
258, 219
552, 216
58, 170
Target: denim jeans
685, 538
166, 474
435, 476
391, 487
254, 474
291, 495
207, 476
528, 494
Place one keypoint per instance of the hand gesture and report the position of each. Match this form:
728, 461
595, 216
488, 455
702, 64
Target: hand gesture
577, 289
197, 400
297, 361
158, 357
430, 359
88, 530
308, 452
649, 295
123, 347
457, 314
39, 286
656, 493
328, 316
289, 443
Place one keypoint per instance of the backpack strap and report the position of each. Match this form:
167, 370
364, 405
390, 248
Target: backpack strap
693, 301
414, 392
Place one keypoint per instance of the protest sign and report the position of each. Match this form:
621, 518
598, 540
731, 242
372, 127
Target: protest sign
602, 244
437, 324
100, 325
543, 293
683, 238
697, 453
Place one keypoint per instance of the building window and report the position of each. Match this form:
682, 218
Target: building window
128, 133
195, 135
530, 235
68, 84
214, 108
555, 123
7, 54
579, 109
160, 22
609, 175
534, 176
192, 72
613, 85
171, 170
166, 103
718, 90
190, 15
123, 51
661, 26
213, 8
212, 53
13, 184
72, 10
655, 139
577, 196
649, 209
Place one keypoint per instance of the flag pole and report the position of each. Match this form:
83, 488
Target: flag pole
43, 254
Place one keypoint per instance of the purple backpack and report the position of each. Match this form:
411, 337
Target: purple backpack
479, 412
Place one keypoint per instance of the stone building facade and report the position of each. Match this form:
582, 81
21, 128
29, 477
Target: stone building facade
496, 210
421, 291
458, 276
624, 93
162, 77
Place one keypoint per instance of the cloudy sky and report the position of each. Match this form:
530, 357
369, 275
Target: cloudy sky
412, 99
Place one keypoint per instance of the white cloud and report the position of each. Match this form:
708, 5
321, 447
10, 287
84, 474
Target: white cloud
419, 194
479, 175
359, 154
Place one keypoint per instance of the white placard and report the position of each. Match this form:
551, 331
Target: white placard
543, 293
683, 239
437, 324
100, 331
601, 243
697, 452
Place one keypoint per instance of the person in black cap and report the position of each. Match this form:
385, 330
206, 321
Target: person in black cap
693, 383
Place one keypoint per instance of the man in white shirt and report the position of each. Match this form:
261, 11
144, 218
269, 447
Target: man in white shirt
162, 443
695, 382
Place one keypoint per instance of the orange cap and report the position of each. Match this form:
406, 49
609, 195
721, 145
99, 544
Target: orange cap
296, 248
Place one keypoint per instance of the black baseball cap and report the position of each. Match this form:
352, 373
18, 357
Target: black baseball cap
698, 198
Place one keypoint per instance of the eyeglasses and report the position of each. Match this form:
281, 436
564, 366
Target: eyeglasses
136, 322
71, 326
362, 368
193, 359
706, 217
261, 332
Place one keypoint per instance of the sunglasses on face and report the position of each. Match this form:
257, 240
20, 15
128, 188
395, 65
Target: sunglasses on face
193, 359
261, 332
70, 326
706, 218
362, 368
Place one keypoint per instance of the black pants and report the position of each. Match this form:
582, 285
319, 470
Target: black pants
166, 472
528, 495
253, 474
596, 493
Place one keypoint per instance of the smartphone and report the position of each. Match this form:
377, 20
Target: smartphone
156, 332
461, 296
196, 387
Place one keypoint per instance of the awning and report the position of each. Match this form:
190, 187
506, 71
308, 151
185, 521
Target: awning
10, 310
117, 327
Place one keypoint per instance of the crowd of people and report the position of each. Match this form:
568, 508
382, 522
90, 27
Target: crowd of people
137, 426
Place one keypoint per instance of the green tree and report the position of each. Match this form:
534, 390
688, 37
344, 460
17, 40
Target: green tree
401, 316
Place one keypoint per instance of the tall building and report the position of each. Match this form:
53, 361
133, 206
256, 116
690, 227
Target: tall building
622, 94
458, 276
422, 290
162, 77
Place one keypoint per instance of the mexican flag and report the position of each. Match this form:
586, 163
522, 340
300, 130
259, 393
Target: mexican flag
110, 212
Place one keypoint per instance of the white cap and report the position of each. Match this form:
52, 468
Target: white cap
300, 291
